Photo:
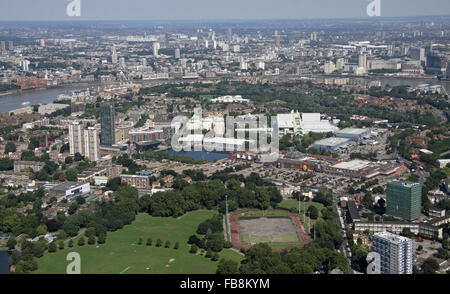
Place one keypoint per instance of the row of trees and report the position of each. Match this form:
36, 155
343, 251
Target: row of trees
200, 195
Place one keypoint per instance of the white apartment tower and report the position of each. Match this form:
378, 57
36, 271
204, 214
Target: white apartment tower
83, 141
155, 49
75, 138
91, 144
362, 62
396, 253
114, 57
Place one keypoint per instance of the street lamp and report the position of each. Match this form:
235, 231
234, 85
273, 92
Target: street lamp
309, 222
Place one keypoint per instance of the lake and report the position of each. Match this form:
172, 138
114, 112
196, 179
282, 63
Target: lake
199, 155
4, 262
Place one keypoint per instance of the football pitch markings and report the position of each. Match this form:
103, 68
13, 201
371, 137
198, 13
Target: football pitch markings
127, 268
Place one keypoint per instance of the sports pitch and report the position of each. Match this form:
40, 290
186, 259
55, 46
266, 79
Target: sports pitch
268, 230
280, 229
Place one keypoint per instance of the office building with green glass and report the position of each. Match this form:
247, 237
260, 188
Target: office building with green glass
403, 199
107, 124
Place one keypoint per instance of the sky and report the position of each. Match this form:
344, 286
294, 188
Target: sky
49, 10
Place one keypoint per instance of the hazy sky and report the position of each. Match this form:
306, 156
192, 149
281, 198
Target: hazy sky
214, 9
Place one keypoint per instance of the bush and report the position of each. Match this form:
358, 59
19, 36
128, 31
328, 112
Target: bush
227, 244
193, 239
91, 240
215, 256
314, 212
11, 243
52, 247
70, 243
193, 249
81, 241
101, 239
209, 253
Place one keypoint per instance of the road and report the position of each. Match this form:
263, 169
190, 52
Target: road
345, 248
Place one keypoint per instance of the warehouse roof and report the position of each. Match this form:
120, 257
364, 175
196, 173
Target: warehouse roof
332, 141
353, 131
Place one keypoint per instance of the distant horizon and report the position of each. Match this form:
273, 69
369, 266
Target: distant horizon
223, 20
207, 10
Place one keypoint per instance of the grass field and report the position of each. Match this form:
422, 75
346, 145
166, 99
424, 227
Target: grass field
122, 254
261, 213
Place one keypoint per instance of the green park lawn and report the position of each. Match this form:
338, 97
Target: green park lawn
121, 253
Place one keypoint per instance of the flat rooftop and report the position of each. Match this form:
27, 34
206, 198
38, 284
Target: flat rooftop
406, 184
68, 185
353, 131
355, 164
392, 237
332, 141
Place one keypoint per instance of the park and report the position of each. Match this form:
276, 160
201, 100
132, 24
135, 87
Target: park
122, 252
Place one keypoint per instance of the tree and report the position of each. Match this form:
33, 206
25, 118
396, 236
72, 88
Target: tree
193, 239
430, 266
149, 242
227, 267
177, 245
302, 268
140, 241
167, 244
61, 245
215, 256
313, 212
71, 175
193, 249
81, 241
78, 157
6, 164
70, 228
70, 243
10, 147
89, 232
367, 201
209, 253
443, 253
158, 243
41, 230
91, 240
52, 247
73, 207
102, 238
11, 244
